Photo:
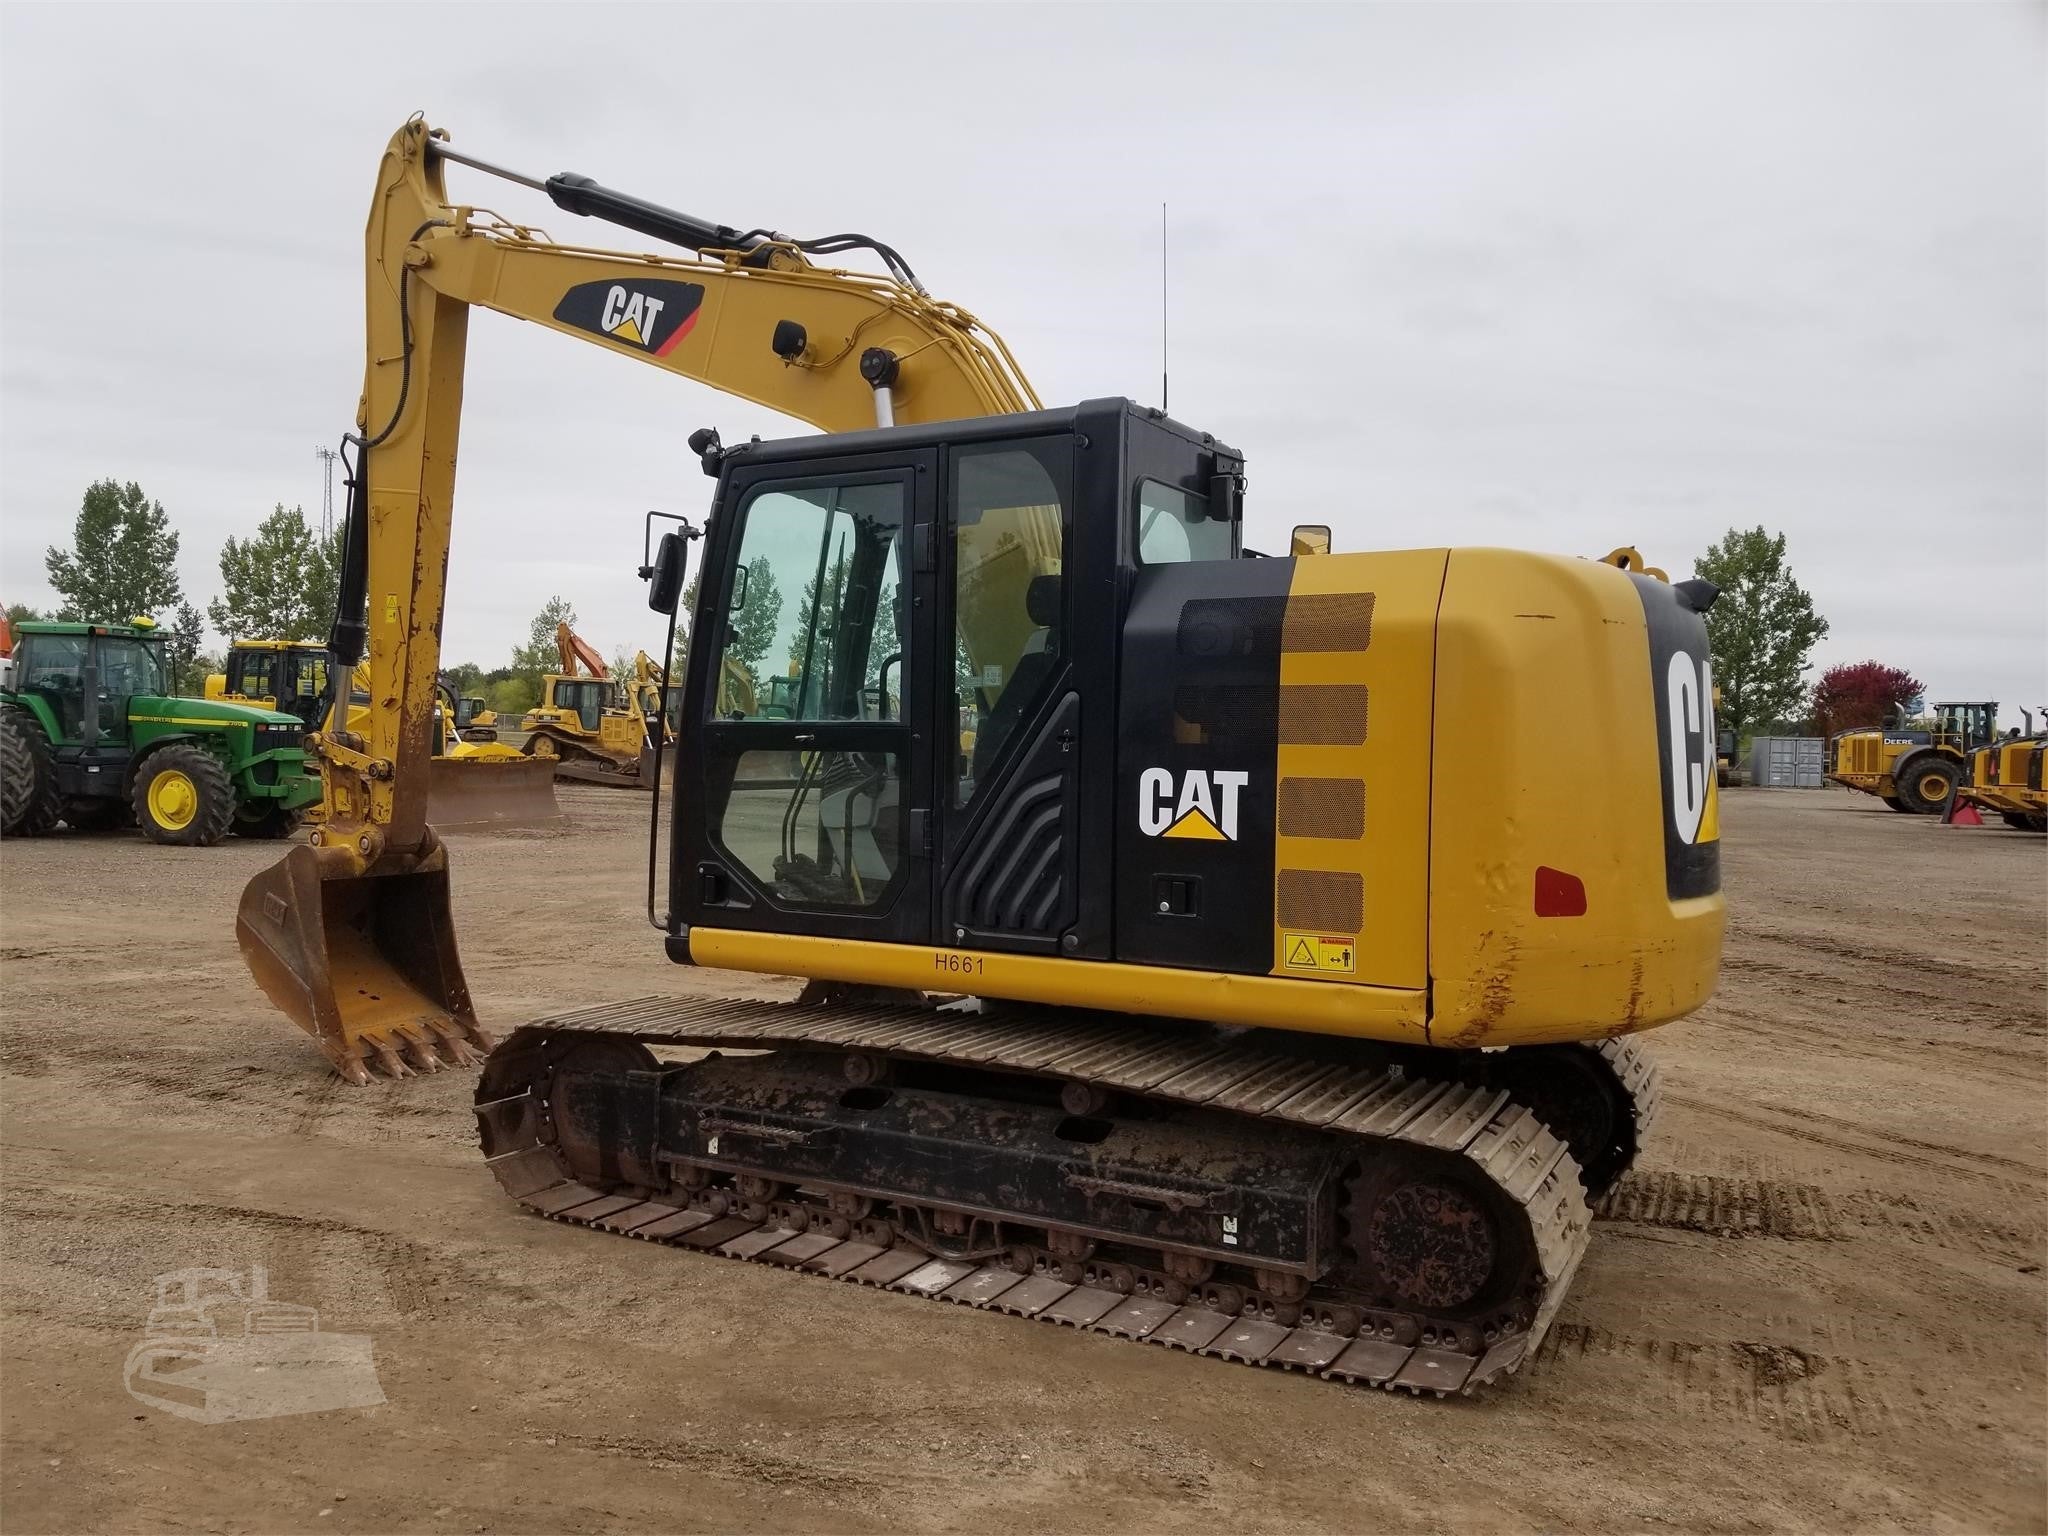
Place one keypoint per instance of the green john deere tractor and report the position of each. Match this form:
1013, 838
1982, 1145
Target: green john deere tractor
91, 735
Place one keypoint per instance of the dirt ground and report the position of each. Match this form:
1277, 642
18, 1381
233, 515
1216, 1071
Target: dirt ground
1819, 1304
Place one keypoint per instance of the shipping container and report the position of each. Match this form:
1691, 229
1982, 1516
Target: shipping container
1788, 762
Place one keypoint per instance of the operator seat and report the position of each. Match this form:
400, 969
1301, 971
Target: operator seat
1038, 661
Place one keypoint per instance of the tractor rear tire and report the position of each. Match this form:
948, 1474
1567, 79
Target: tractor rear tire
29, 805
269, 822
2023, 821
95, 815
1917, 783
1897, 804
183, 796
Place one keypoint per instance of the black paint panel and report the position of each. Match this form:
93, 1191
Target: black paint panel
1201, 689
1691, 867
1014, 888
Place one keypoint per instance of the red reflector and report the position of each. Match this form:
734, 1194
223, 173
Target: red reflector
1559, 894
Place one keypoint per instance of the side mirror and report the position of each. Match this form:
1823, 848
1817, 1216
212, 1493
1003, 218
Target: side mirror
1226, 493
1310, 539
665, 585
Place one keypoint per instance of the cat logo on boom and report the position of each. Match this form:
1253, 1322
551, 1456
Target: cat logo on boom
1202, 804
646, 314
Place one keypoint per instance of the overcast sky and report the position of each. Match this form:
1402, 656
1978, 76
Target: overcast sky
1560, 276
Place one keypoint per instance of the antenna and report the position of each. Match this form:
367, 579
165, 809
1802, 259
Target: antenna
1162, 306
326, 456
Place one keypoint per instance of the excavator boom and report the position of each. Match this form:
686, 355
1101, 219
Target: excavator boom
351, 935
577, 652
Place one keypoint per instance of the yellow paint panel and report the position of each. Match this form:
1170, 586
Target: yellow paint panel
1372, 1013
1532, 651
1396, 670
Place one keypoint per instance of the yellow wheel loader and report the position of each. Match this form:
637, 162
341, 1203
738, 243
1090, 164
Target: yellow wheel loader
2005, 777
1913, 768
1220, 994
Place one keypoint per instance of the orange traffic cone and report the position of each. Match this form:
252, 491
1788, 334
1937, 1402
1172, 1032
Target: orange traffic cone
1960, 813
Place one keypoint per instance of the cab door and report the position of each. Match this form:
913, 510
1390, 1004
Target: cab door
1008, 710
807, 804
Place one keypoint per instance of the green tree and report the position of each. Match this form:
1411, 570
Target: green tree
541, 654
123, 559
759, 620
686, 608
1761, 630
21, 613
512, 695
188, 634
278, 584
466, 677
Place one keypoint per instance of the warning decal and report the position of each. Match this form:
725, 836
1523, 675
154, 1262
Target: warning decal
1317, 952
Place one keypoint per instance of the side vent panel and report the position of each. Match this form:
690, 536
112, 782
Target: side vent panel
1013, 889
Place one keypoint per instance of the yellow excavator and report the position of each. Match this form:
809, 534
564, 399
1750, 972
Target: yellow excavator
593, 728
1220, 994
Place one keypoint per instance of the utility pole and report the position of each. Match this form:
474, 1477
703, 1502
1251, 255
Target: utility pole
326, 457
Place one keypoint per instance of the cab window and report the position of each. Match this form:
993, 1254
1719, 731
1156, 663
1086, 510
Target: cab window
1174, 526
1009, 593
815, 625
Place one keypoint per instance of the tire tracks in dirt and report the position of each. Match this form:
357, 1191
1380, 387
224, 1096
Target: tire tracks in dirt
2024, 1178
1719, 1206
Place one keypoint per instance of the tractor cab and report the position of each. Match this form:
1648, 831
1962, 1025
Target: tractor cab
84, 675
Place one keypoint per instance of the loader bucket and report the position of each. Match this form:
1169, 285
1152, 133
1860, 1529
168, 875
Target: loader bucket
480, 794
365, 964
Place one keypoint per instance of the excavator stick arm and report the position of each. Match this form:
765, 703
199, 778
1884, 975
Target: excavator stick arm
352, 936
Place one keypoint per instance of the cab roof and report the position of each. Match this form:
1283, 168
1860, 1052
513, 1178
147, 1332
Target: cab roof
121, 631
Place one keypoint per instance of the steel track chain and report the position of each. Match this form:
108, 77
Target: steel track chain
1503, 1142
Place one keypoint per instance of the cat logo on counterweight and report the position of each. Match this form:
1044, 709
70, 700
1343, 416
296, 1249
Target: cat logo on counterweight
646, 314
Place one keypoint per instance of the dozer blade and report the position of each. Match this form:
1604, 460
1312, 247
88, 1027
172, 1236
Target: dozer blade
650, 757
365, 964
479, 794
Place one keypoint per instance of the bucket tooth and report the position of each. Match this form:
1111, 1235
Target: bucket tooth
390, 1061
421, 1054
354, 1072
458, 1051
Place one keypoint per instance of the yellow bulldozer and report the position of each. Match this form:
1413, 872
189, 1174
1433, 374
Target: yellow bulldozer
1218, 994
589, 726
474, 782
1913, 766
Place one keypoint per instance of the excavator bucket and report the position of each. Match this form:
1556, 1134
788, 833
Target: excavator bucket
365, 964
475, 794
